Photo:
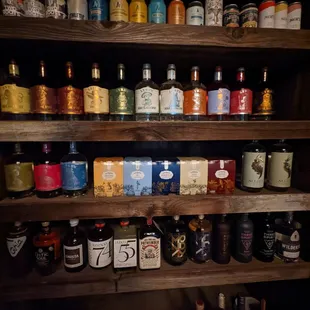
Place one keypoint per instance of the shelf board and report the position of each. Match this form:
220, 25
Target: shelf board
88, 207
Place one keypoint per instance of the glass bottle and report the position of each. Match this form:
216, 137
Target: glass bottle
15, 96
175, 242
241, 98
218, 97
119, 11
100, 242
98, 10
47, 174
280, 163
253, 167
221, 301
157, 12
18, 170
75, 248
138, 11
96, 97
20, 250
195, 14
147, 97
195, 98
176, 12
74, 173
200, 305
122, 98
171, 97
149, 246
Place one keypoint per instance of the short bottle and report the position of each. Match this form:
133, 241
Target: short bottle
119, 11
176, 12
195, 14
75, 248
18, 170
47, 174
98, 10
138, 11
157, 12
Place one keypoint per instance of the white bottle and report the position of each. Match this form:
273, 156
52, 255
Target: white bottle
214, 13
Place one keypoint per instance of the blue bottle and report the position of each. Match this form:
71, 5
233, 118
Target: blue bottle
98, 9
157, 12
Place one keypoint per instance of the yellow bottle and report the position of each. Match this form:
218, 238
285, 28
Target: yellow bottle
118, 11
138, 11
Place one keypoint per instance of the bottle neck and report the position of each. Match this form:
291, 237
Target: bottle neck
289, 217
73, 148
195, 75
245, 216
46, 148
95, 74
69, 72
171, 75
46, 230
17, 148
240, 76
121, 74
74, 229
147, 74
218, 76
42, 71
265, 75
13, 70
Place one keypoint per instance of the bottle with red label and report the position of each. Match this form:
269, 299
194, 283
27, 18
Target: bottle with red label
241, 98
47, 174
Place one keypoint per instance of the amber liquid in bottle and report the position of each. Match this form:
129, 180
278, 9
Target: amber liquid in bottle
176, 12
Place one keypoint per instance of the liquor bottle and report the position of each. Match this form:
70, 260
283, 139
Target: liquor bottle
157, 12
47, 174
74, 173
176, 12
138, 11
75, 248
20, 250
47, 250
18, 170
195, 98
175, 242
287, 240
15, 96
44, 98
96, 97
200, 305
122, 98
263, 108
125, 246
244, 239
241, 98
200, 239
195, 14
149, 246
221, 301
56, 9
214, 13
147, 97
70, 96
171, 97
98, 10
221, 241
219, 97
119, 11
264, 241
280, 162
100, 242
253, 167
77, 9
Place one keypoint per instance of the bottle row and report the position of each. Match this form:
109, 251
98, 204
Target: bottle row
142, 176
147, 102
126, 246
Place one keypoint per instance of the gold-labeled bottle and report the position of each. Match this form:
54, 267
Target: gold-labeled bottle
138, 11
119, 11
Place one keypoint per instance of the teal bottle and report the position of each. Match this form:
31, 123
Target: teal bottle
157, 12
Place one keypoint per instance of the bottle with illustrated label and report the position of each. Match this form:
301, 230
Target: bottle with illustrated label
253, 167
75, 248
176, 12
195, 14
171, 97
18, 171
280, 163
147, 97
119, 11
100, 243
200, 239
149, 246
157, 12
56, 9
214, 13
74, 173
138, 11
98, 9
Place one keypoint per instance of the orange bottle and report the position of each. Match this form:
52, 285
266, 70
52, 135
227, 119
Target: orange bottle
176, 12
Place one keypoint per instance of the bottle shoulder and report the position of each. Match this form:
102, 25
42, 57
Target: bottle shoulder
146, 83
171, 84
195, 85
98, 235
73, 157
18, 159
217, 85
254, 148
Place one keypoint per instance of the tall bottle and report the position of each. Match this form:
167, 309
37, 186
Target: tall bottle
47, 174
18, 170
75, 248
280, 163
176, 12
70, 96
119, 11
195, 98
15, 96
122, 98
253, 167
171, 97
138, 11
147, 97
74, 172
244, 239
218, 97
157, 12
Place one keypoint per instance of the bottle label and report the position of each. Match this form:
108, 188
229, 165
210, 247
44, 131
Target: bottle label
98, 10
44, 255
34, 8
138, 12
171, 101
157, 12
70, 100
263, 103
224, 245
15, 99
73, 256
245, 247
149, 253
125, 253
280, 169
12, 8
118, 11
269, 243
100, 253
74, 175
253, 169
214, 13
176, 14
176, 247
47, 177
195, 102
195, 16
219, 101
147, 100
19, 177
56, 9
241, 101
200, 245
288, 246
122, 101
15, 245
96, 100
44, 99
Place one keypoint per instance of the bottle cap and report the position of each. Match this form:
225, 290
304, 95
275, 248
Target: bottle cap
46, 147
176, 217
171, 67
201, 216
45, 224
74, 222
124, 222
200, 305
100, 223
17, 148
18, 224
149, 221
218, 68
121, 66
241, 69
195, 68
146, 66
68, 63
95, 65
